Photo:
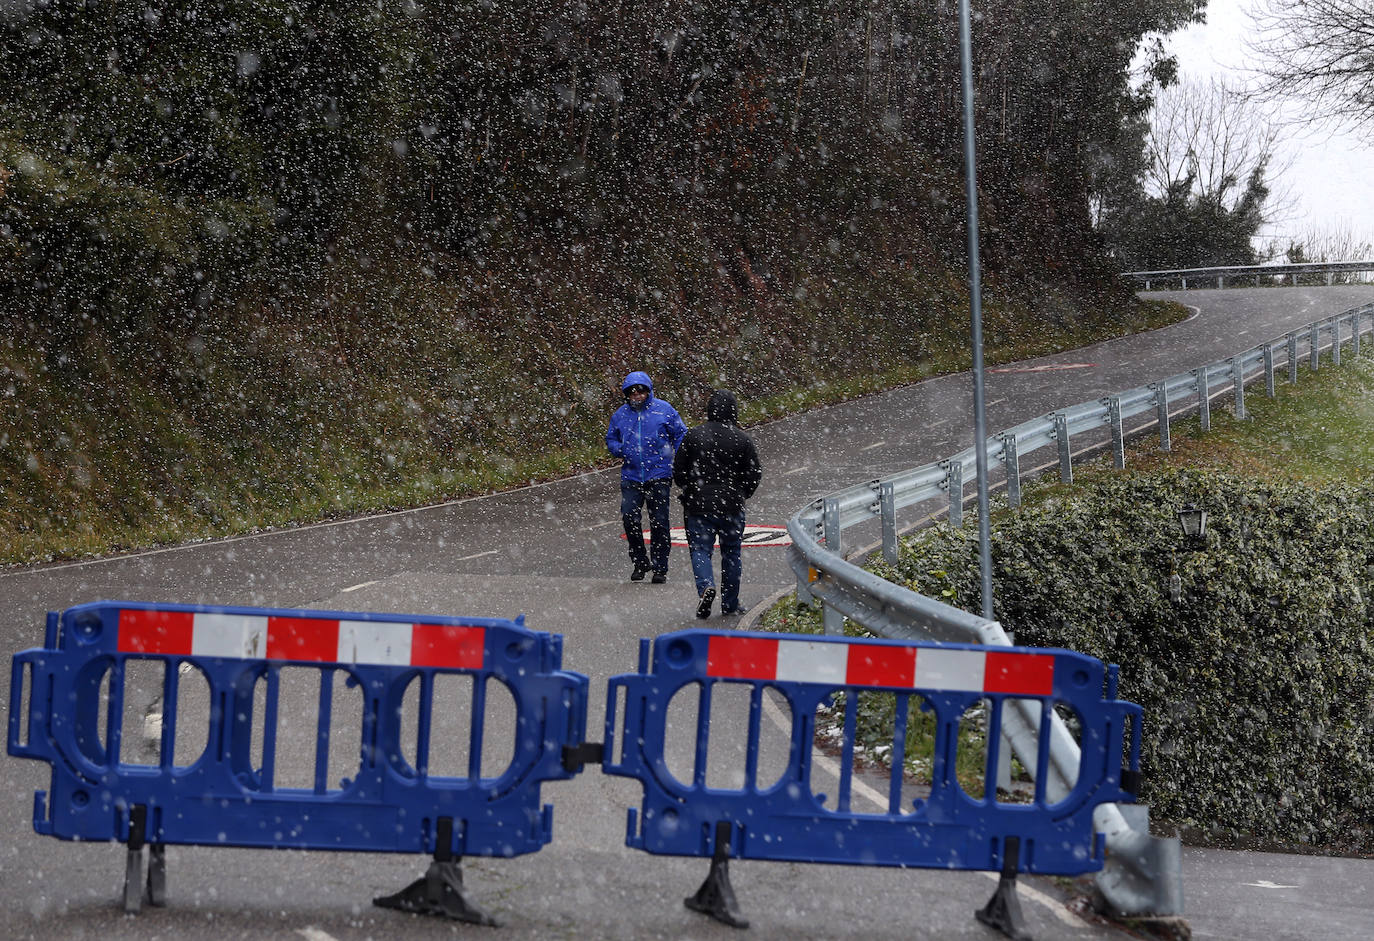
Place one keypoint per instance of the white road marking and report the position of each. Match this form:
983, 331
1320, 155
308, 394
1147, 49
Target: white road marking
602, 525
872, 446
312, 933
862, 789
359, 585
996, 402
477, 555
937, 424
1266, 884
796, 470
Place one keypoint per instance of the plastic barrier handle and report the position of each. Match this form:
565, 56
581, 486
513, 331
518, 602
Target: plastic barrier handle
17, 664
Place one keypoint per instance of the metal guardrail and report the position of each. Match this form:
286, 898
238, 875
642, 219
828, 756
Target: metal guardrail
1142, 876
1276, 274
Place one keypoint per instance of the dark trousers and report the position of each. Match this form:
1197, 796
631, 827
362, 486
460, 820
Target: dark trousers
633, 496
702, 533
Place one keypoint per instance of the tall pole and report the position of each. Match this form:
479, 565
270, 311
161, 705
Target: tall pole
980, 422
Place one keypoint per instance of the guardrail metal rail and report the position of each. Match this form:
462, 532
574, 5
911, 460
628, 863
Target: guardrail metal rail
1276, 274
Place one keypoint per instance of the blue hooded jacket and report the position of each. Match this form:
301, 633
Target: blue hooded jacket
645, 436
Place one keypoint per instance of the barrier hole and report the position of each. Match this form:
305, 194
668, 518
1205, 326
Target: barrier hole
500, 730
141, 725
191, 724
25, 691
91, 710
775, 739
298, 719
971, 749
680, 734
408, 723
257, 721
345, 742
450, 726
726, 755
618, 755
1016, 776
1073, 723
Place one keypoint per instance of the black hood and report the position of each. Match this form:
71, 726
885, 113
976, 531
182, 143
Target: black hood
722, 408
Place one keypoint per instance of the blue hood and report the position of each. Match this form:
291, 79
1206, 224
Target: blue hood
638, 379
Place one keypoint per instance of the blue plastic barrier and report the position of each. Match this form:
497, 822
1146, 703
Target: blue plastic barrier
787, 820
228, 796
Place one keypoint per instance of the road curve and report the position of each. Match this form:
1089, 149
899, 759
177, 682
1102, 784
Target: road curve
554, 553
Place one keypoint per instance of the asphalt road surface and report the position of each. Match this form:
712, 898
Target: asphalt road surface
554, 553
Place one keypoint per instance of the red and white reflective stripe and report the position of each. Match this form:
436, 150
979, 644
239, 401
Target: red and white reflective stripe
832, 664
317, 640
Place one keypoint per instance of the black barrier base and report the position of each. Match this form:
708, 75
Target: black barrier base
440, 893
1003, 911
716, 897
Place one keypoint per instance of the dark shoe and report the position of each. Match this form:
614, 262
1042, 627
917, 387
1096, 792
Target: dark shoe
638, 574
704, 605
733, 612
659, 578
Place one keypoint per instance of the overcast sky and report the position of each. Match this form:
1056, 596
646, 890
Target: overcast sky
1331, 179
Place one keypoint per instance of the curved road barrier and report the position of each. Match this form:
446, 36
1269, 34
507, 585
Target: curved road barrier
1250, 274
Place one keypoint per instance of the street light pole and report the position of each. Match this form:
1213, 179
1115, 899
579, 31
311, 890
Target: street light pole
980, 436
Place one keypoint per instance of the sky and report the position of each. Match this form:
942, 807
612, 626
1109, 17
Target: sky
1331, 177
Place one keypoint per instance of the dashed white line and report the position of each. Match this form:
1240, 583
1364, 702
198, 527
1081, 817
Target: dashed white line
477, 555
796, 470
359, 585
602, 525
872, 446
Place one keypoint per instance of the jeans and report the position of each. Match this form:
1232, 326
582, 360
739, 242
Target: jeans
633, 496
702, 533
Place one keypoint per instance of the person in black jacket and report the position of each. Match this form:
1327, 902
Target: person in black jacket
716, 470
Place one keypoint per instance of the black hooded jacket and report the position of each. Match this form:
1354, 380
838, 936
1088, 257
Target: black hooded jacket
716, 467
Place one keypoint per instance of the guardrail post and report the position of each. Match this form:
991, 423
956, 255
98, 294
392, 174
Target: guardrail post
1012, 461
1118, 433
887, 505
1336, 340
1269, 369
1185, 283
1061, 434
1292, 357
1204, 399
954, 481
1315, 342
1355, 334
1162, 410
1330, 278
1221, 281
832, 620
1238, 375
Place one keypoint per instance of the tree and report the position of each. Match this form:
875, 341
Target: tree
1321, 52
1205, 185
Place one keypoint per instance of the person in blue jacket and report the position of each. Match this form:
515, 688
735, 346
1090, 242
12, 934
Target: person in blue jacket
644, 433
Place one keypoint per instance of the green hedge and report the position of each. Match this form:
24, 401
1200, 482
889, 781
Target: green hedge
1256, 683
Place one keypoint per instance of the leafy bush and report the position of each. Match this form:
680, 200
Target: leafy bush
1258, 705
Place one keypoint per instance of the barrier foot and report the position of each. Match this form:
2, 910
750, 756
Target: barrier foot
157, 874
133, 881
1003, 911
133, 860
440, 893
716, 897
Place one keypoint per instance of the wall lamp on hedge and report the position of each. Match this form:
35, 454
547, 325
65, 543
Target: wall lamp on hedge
1192, 519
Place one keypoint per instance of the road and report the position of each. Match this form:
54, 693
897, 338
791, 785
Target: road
554, 553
